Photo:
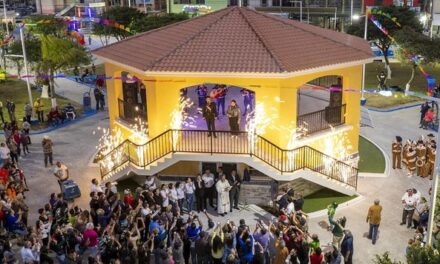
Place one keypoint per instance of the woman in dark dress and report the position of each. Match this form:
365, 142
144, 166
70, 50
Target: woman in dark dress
200, 192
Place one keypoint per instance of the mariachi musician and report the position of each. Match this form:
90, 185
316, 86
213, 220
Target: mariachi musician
420, 158
397, 152
411, 161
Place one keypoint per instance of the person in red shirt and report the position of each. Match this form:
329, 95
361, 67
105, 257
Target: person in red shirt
17, 139
429, 117
128, 198
317, 257
4, 175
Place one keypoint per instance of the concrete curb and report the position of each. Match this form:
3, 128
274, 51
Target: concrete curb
387, 171
392, 109
346, 204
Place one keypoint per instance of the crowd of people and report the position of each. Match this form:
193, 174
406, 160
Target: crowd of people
162, 223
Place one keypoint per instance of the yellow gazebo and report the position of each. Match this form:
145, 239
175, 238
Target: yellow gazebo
275, 59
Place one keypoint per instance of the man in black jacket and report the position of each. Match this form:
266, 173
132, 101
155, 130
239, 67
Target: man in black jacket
235, 182
210, 113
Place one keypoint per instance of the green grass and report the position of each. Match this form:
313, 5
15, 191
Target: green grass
321, 199
16, 90
371, 159
400, 76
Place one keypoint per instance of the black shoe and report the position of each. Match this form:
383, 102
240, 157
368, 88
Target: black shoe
226, 213
402, 223
230, 211
236, 207
374, 242
215, 208
222, 214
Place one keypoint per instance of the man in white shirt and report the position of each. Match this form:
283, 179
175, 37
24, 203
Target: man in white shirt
150, 183
95, 187
61, 172
409, 201
4, 153
208, 179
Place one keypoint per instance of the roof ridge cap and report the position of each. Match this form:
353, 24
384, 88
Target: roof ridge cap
227, 12
323, 36
261, 39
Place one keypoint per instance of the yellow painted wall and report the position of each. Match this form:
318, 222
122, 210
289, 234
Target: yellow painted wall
190, 168
279, 97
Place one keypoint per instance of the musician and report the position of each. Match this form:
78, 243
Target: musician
411, 161
202, 92
221, 91
397, 152
210, 113
431, 159
421, 157
235, 182
405, 152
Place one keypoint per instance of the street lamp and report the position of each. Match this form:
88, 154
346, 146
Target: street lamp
357, 17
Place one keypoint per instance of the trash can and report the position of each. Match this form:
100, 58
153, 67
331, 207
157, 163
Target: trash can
86, 102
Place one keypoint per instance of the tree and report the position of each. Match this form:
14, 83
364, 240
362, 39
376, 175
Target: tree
426, 255
403, 15
46, 25
385, 259
57, 54
416, 48
121, 15
150, 22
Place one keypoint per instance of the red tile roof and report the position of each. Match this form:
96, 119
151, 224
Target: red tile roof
239, 40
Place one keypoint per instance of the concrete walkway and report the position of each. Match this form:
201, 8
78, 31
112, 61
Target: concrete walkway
389, 190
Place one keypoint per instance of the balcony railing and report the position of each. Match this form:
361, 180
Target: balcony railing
131, 112
197, 141
322, 119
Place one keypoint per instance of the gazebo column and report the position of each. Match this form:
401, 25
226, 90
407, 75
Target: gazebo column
288, 112
114, 91
352, 80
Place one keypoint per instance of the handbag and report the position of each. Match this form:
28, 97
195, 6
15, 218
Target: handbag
416, 216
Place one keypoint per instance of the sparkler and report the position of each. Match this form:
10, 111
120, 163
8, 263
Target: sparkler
109, 142
337, 146
180, 118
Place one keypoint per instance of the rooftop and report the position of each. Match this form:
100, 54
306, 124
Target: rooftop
237, 40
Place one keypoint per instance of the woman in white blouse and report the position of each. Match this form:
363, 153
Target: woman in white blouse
189, 193
164, 195
180, 195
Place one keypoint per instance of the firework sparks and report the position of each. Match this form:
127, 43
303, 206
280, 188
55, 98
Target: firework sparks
338, 147
180, 118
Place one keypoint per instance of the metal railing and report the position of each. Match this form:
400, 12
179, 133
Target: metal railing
198, 141
130, 112
322, 119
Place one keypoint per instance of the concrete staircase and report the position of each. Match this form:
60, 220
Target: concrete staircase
125, 171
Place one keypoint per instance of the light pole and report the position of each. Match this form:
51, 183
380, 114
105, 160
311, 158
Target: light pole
145, 7
5, 17
356, 17
300, 9
351, 12
23, 47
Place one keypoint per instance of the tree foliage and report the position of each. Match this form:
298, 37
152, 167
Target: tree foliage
153, 21
33, 49
385, 259
133, 19
122, 15
403, 15
46, 25
417, 254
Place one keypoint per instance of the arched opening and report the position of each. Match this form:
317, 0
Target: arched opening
132, 104
194, 98
320, 104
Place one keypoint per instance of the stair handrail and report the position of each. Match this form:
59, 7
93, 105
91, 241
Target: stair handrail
284, 151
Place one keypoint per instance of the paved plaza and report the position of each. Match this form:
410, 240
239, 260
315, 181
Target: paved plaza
75, 146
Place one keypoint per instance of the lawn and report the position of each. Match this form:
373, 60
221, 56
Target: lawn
16, 90
400, 76
321, 199
371, 158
